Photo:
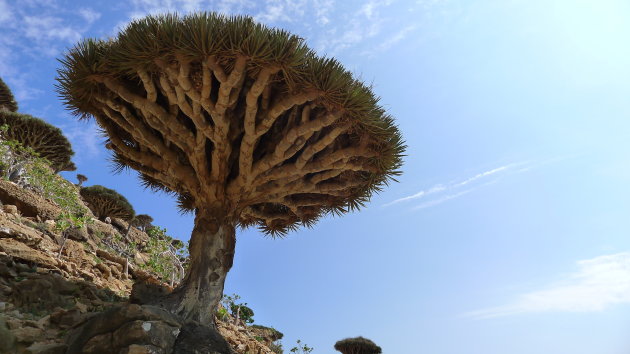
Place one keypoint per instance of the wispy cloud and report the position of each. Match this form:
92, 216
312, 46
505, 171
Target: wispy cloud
441, 200
397, 37
598, 284
85, 135
36, 30
456, 186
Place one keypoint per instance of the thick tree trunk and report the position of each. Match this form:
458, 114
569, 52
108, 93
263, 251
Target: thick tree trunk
211, 256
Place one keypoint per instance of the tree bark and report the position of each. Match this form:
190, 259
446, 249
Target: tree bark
211, 255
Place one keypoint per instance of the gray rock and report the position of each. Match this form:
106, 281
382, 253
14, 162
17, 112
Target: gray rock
78, 234
7, 339
47, 348
197, 339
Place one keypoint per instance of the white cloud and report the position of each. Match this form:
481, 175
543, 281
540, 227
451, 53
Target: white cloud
86, 136
397, 37
281, 10
441, 200
5, 12
423, 193
598, 284
89, 15
48, 27
438, 188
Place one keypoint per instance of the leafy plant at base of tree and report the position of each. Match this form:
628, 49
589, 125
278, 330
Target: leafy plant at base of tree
276, 347
238, 310
66, 222
164, 258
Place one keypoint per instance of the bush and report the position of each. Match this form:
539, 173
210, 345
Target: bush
164, 259
358, 345
242, 312
7, 101
45, 139
276, 347
105, 202
301, 348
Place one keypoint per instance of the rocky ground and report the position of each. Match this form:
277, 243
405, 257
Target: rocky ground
77, 300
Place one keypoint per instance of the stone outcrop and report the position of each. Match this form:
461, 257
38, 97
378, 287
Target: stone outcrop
28, 203
77, 300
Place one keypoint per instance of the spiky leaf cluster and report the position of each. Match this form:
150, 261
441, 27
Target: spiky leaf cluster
45, 139
105, 202
357, 345
236, 117
7, 101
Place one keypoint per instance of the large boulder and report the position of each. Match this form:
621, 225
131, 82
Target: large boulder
132, 328
21, 251
28, 203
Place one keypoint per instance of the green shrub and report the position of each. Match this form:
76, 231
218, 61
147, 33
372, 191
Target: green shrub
242, 312
164, 259
276, 347
301, 348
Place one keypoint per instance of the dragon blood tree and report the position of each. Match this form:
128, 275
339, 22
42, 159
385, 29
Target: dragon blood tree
7, 101
105, 202
357, 345
45, 139
243, 123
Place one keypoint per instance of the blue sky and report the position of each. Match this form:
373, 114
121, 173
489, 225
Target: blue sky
509, 231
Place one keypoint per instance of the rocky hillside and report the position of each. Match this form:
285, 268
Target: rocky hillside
73, 295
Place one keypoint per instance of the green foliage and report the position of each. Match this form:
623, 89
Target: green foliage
244, 313
163, 257
45, 139
67, 220
7, 101
222, 314
105, 202
357, 345
23, 166
276, 347
301, 348
238, 309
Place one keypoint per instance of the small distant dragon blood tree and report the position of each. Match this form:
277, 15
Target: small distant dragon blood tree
7, 101
81, 178
142, 221
105, 202
358, 345
45, 139
243, 123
